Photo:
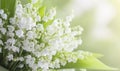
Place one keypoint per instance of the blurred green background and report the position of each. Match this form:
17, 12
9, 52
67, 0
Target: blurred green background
101, 22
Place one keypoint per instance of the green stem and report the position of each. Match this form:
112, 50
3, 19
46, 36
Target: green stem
14, 66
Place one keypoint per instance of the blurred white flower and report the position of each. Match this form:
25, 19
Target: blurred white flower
3, 30
19, 33
1, 11
10, 57
37, 41
4, 16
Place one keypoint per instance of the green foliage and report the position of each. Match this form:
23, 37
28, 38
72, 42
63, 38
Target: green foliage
8, 6
41, 11
89, 62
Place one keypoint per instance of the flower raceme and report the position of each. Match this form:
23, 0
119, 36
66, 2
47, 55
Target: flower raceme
31, 43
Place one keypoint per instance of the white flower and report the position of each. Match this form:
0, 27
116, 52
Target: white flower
19, 33
30, 23
3, 30
0, 20
38, 18
45, 18
52, 13
1, 11
66, 24
29, 6
15, 49
40, 27
43, 64
34, 67
10, 34
12, 20
42, 45
31, 35
4, 16
21, 66
69, 18
20, 59
19, 6
10, 41
51, 30
10, 28
30, 60
19, 10
22, 23
10, 57
1, 24
28, 46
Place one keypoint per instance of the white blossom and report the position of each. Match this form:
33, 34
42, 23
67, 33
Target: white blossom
4, 16
38, 18
31, 35
19, 33
3, 30
37, 41
45, 18
10, 28
21, 66
10, 34
40, 27
12, 20
1, 24
1, 11
10, 41
52, 13
10, 57
15, 49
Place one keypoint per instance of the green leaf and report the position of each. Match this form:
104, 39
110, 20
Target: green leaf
89, 62
46, 24
41, 11
8, 6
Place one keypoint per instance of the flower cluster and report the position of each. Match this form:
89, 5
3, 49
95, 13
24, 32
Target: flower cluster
38, 43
